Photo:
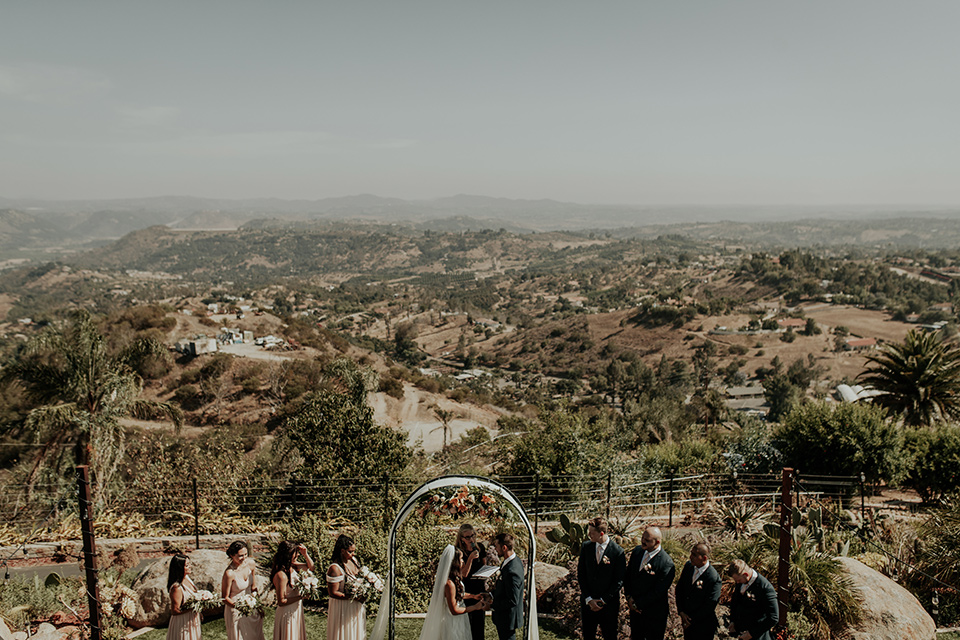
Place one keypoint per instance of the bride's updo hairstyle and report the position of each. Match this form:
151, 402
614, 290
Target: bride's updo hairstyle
343, 542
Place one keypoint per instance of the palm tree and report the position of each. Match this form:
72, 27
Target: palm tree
919, 378
444, 416
80, 392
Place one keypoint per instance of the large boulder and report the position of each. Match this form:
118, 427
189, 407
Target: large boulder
206, 570
547, 575
890, 612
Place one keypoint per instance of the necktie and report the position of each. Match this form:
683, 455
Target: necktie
599, 553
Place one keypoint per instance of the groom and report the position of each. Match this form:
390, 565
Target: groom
508, 592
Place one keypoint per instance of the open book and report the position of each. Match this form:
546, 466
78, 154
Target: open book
485, 572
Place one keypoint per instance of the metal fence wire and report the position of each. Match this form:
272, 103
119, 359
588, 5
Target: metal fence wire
187, 506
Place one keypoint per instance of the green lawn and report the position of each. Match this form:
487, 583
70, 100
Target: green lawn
406, 628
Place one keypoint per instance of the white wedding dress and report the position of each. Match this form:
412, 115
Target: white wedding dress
441, 623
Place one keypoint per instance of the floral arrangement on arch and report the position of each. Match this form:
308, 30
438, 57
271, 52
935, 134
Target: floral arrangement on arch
461, 503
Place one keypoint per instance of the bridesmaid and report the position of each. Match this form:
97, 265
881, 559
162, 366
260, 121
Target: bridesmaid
346, 619
184, 624
239, 579
288, 623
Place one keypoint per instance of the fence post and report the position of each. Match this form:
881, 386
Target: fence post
670, 490
786, 528
609, 490
196, 514
89, 550
536, 504
863, 498
386, 502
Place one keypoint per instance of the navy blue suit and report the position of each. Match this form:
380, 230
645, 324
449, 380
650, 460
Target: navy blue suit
756, 610
699, 601
601, 581
507, 604
649, 586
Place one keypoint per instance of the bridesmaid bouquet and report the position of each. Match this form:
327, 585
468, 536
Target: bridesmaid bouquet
202, 601
372, 578
249, 604
309, 586
360, 586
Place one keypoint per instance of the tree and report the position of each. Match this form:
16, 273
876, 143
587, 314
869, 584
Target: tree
781, 394
79, 393
919, 379
444, 416
335, 434
848, 438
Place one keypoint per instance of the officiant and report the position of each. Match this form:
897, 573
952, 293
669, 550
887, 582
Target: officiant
474, 555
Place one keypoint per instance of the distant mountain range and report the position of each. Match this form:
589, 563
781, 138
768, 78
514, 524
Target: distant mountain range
34, 223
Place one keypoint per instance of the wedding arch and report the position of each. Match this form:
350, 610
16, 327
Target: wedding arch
384, 626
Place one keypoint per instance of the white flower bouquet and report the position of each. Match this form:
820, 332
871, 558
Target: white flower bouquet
308, 586
201, 601
375, 582
249, 604
356, 588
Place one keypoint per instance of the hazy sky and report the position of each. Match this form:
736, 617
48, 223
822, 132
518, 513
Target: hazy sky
672, 101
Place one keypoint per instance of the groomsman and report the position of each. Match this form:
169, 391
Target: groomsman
697, 594
754, 610
647, 584
600, 570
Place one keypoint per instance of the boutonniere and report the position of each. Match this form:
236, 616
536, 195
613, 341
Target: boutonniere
750, 596
698, 584
648, 568
604, 560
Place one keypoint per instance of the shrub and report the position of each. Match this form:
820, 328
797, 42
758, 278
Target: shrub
843, 439
23, 599
935, 468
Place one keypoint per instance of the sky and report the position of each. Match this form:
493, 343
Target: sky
639, 102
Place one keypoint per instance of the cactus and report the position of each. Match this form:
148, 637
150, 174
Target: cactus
570, 535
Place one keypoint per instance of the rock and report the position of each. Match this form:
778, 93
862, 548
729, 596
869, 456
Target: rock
890, 612
46, 631
206, 570
547, 575
5, 633
20, 635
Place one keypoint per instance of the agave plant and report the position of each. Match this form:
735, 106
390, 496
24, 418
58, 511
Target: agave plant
740, 518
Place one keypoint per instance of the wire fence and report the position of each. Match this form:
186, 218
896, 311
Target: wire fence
188, 506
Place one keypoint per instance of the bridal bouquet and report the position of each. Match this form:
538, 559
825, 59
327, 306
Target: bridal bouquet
249, 604
360, 586
308, 586
202, 601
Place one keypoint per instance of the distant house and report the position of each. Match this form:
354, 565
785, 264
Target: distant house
946, 307
913, 318
747, 400
740, 393
860, 344
783, 324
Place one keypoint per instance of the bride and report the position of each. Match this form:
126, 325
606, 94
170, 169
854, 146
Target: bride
445, 615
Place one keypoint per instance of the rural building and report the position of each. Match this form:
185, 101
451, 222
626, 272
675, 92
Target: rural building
740, 393
860, 344
855, 393
783, 324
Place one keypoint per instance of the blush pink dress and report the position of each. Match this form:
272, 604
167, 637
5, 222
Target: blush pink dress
288, 623
242, 627
186, 625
